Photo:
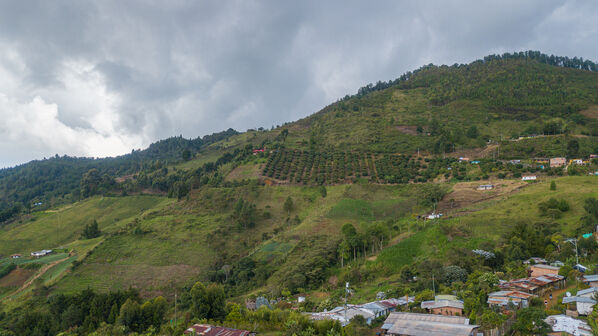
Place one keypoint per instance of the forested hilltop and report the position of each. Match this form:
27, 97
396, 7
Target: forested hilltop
392, 189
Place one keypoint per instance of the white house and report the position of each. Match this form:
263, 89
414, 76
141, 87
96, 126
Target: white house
41, 253
584, 300
486, 187
528, 178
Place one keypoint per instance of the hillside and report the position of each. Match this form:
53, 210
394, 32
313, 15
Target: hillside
339, 196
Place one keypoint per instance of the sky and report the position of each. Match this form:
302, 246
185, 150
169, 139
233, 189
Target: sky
100, 78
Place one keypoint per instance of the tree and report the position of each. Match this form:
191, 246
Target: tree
472, 132
153, 312
91, 230
200, 305
572, 147
90, 182
530, 321
130, 315
288, 205
186, 155
453, 273
244, 213
323, 192
552, 185
208, 303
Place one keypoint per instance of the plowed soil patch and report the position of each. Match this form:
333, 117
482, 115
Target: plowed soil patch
16, 278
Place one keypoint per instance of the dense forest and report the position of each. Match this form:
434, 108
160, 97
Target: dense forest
56, 180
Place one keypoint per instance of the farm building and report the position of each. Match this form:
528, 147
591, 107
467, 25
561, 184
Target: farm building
486, 187
528, 178
15, 256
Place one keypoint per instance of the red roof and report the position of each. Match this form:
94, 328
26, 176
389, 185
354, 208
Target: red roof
210, 330
258, 150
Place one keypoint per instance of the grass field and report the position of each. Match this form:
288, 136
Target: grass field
56, 228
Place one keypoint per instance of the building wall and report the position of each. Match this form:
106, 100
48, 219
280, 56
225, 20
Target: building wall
538, 271
584, 308
448, 311
593, 284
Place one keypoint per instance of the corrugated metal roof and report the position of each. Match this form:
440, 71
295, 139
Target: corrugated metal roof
578, 299
429, 325
590, 278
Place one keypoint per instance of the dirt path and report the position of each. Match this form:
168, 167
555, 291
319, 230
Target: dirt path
41, 272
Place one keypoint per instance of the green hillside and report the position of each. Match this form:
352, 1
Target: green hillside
339, 196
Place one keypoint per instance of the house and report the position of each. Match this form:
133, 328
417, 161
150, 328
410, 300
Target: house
414, 324
576, 161
567, 325
557, 162
542, 160
434, 216
462, 159
528, 178
256, 151
540, 269
475, 162
447, 305
41, 253
515, 161
503, 298
590, 280
210, 330
369, 311
535, 285
15, 256
535, 260
583, 301
300, 299
580, 268
485, 187
557, 263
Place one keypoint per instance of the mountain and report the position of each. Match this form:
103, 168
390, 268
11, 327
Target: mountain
339, 196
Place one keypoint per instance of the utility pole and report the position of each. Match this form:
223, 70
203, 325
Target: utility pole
175, 299
433, 286
574, 242
346, 291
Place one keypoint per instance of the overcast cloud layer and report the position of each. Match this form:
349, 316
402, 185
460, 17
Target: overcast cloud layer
99, 78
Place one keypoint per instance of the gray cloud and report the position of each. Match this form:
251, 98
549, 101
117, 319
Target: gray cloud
99, 78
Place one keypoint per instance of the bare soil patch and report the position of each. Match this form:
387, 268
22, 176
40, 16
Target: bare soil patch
591, 112
465, 194
16, 278
473, 153
245, 172
411, 130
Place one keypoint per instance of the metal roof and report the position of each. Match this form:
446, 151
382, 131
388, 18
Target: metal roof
429, 325
442, 303
569, 325
590, 278
569, 299
587, 291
